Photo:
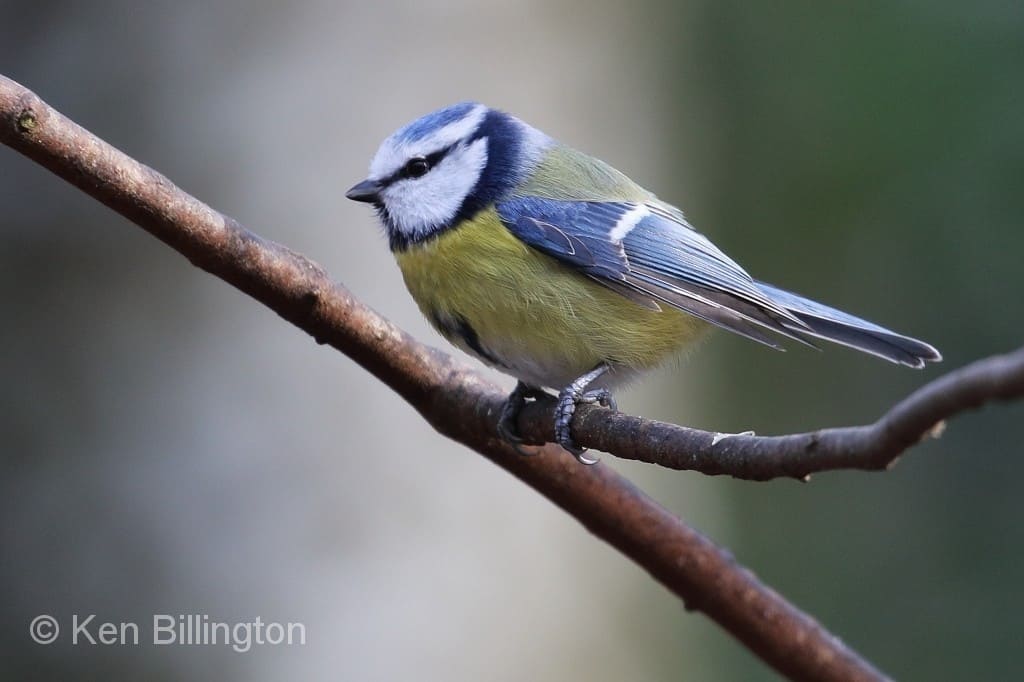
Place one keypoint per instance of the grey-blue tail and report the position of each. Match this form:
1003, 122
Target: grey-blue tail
839, 327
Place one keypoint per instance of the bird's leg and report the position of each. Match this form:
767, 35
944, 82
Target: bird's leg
575, 394
508, 428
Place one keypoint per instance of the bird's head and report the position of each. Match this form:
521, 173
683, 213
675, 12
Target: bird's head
445, 167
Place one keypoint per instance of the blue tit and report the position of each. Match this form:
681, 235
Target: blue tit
557, 269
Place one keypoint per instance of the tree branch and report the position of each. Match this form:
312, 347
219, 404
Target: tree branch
460, 404
872, 447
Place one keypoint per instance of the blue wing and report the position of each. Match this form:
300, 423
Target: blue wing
649, 253
843, 328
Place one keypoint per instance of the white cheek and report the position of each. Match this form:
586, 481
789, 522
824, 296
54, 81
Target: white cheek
419, 206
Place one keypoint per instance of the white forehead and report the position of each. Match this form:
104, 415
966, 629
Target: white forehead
425, 135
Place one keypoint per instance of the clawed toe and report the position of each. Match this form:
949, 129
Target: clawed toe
508, 428
600, 396
568, 399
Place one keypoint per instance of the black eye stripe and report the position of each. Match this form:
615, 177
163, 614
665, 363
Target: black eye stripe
431, 160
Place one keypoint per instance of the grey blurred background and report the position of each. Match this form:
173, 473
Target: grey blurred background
170, 446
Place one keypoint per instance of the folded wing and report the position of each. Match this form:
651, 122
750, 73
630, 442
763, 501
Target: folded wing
650, 254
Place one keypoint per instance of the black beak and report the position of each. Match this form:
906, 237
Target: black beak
367, 190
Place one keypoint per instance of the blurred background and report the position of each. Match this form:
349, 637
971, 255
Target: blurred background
170, 446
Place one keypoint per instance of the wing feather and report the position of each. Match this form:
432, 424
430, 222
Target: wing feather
651, 256
647, 252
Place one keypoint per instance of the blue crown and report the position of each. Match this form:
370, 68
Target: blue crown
423, 126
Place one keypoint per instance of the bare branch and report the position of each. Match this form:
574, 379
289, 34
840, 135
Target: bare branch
872, 447
463, 406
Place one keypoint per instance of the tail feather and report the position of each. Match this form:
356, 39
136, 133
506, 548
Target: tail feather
839, 327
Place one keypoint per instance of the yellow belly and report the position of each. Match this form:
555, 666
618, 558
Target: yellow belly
535, 318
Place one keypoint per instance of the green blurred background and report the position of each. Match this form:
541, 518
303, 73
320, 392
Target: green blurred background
169, 446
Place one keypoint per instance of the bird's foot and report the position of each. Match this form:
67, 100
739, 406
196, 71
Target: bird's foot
508, 427
569, 398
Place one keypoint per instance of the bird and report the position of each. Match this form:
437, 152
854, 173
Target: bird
557, 269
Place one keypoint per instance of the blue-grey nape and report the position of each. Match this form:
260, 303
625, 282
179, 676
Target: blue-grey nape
504, 169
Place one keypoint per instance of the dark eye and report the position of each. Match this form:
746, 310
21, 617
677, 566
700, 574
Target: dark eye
416, 167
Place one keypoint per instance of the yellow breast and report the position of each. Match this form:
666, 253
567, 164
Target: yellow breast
527, 314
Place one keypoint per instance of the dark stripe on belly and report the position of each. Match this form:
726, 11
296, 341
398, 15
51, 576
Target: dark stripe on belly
457, 326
